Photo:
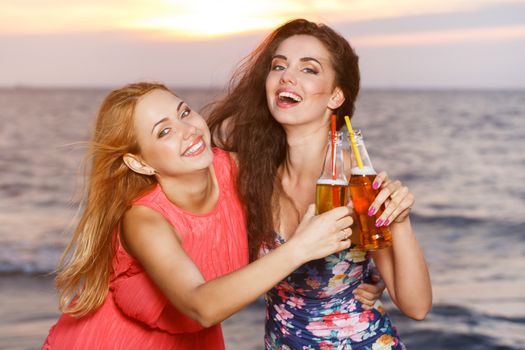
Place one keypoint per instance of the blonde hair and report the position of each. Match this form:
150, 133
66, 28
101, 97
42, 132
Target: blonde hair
85, 268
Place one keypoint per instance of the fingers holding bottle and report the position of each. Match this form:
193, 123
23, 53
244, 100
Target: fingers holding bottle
380, 178
397, 200
318, 236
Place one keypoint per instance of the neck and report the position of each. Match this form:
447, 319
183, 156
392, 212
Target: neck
299, 173
196, 192
305, 153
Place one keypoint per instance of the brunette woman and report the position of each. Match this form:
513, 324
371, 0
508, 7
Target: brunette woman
276, 117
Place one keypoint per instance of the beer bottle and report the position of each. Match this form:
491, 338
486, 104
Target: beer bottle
363, 194
332, 186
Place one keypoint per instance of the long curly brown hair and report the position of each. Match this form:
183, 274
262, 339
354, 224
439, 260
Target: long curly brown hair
241, 122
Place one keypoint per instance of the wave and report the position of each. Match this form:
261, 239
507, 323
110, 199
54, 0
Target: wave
463, 221
29, 258
38, 257
9, 270
446, 339
455, 220
465, 329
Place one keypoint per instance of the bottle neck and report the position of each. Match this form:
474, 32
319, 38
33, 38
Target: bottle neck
333, 168
366, 167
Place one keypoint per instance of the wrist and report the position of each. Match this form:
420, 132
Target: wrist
294, 253
402, 226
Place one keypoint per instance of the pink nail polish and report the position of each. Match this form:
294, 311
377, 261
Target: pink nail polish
386, 222
375, 185
379, 222
371, 211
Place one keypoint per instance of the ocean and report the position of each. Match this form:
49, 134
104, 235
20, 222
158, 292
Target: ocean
460, 152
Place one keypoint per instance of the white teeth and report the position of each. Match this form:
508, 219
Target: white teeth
194, 148
290, 95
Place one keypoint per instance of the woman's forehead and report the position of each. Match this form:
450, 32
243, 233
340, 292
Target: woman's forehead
299, 46
156, 104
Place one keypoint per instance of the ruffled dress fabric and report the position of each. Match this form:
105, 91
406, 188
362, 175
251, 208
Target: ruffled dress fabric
135, 314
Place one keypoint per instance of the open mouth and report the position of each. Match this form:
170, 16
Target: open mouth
287, 98
197, 147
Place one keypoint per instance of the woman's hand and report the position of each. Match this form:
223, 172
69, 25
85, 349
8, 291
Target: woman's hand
318, 236
397, 198
368, 293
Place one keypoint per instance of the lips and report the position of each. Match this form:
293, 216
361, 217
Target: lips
286, 98
197, 147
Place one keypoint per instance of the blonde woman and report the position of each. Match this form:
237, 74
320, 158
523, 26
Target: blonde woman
158, 257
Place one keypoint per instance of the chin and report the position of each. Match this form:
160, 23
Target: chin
284, 117
205, 159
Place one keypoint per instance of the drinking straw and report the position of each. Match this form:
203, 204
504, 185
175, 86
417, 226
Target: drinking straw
334, 137
335, 198
354, 143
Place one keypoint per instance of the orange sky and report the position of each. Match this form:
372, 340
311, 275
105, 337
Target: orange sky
432, 42
203, 19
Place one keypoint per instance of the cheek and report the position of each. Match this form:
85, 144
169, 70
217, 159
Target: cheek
158, 153
269, 91
202, 129
272, 80
207, 135
320, 88
199, 123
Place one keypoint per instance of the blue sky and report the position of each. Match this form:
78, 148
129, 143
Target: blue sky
401, 44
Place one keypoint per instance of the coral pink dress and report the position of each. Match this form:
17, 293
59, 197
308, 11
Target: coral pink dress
135, 314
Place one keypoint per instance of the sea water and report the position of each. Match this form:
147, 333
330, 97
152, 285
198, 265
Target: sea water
461, 153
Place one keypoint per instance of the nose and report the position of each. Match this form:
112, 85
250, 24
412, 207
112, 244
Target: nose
187, 130
288, 77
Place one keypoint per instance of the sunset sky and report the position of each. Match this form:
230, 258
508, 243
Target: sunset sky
401, 44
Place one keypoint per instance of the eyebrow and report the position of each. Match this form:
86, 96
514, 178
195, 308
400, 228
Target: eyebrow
303, 59
166, 118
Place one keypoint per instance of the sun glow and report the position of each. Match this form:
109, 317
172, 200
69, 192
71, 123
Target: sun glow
213, 19
206, 27
201, 19
204, 19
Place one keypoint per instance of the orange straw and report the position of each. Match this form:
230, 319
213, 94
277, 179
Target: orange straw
335, 197
334, 137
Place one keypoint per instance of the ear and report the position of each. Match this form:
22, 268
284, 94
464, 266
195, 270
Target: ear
337, 99
136, 164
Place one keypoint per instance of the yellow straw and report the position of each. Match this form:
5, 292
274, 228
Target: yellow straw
354, 143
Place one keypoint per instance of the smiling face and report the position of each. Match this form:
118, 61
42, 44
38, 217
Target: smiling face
300, 86
173, 139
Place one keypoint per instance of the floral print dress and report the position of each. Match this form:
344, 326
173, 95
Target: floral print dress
314, 308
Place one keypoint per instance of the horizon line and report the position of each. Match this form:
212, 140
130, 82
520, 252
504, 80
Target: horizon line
218, 88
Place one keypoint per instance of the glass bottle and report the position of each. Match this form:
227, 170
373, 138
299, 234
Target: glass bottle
372, 236
332, 186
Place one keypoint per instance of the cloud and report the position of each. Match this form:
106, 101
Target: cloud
116, 58
478, 47
488, 16
179, 18
480, 35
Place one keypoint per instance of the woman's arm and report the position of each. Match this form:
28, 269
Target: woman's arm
402, 266
152, 240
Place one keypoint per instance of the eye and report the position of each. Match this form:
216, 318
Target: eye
277, 67
310, 70
185, 113
164, 132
